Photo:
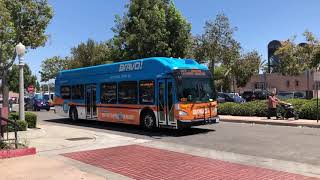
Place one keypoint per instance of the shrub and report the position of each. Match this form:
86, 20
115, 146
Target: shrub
243, 110
307, 109
31, 119
298, 103
261, 108
254, 108
22, 126
3, 145
226, 108
14, 116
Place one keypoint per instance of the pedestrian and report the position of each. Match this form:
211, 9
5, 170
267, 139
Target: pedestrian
10, 104
272, 105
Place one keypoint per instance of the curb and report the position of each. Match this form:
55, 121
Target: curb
17, 152
272, 123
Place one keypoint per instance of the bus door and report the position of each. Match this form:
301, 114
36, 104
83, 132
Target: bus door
165, 101
91, 106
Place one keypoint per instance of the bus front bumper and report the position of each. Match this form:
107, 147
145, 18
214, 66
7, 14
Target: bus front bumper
198, 122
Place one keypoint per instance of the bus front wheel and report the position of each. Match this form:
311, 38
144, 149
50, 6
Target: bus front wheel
148, 120
73, 114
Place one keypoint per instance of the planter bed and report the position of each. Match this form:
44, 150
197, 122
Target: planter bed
9, 153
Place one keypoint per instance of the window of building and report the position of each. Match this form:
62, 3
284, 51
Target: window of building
109, 93
259, 85
127, 93
78, 92
288, 83
297, 83
65, 92
146, 90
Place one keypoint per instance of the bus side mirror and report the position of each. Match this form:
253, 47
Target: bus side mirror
189, 97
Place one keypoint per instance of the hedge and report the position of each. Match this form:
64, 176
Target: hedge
307, 109
253, 108
14, 116
30, 118
22, 126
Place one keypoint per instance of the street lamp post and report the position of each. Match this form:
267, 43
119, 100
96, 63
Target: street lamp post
20, 50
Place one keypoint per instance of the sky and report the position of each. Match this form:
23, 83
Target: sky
258, 22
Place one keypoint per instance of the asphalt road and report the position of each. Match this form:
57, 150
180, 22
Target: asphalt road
277, 142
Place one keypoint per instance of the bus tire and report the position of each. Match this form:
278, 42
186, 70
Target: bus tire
73, 114
148, 120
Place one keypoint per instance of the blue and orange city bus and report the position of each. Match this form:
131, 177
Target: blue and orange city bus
152, 92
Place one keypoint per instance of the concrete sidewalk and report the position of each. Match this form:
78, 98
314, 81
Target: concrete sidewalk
51, 141
273, 121
38, 168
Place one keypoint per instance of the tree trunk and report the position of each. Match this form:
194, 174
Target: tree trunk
5, 95
5, 88
213, 83
212, 67
233, 84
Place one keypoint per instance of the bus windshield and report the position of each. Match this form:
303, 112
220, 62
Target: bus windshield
195, 89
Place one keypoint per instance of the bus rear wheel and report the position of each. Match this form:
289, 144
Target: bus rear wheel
73, 114
148, 121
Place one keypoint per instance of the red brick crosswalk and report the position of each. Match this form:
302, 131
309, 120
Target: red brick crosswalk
140, 162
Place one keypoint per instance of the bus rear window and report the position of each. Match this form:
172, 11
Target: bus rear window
65, 92
128, 92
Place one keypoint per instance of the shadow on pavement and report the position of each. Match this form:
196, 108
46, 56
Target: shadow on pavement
156, 134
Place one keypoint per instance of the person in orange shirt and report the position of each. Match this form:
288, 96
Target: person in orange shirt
272, 105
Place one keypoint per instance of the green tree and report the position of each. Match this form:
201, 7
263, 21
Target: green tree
290, 62
90, 53
51, 66
37, 86
22, 21
310, 51
217, 46
247, 66
221, 82
44, 87
13, 77
297, 58
151, 28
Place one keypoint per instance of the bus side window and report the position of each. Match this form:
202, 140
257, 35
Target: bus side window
109, 93
128, 93
146, 89
65, 92
78, 92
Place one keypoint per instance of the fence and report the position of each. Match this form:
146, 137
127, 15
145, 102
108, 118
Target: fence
4, 131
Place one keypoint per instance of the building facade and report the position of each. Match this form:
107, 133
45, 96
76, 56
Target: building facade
280, 83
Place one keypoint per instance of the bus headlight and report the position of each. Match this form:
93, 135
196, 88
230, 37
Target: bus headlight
183, 113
